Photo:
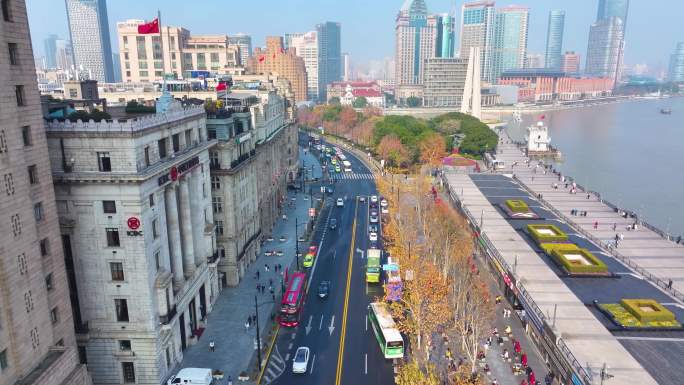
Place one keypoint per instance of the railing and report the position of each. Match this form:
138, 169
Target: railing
246, 245
493, 252
242, 158
213, 258
166, 319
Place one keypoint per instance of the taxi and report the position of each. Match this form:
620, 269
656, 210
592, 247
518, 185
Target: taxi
309, 259
337, 168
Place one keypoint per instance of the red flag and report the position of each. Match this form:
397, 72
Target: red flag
221, 87
149, 28
274, 55
282, 50
262, 58
542, 117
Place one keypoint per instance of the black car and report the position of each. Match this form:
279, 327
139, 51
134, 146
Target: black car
374, 205
333, 224
372, 228
323, 289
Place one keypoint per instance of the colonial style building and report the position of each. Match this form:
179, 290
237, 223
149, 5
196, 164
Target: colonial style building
134, 202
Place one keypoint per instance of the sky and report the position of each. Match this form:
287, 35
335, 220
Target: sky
654, 26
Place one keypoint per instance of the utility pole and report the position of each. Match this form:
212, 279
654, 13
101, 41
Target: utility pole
297, 241
256, 310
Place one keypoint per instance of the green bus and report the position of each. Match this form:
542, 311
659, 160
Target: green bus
388, 336
373, 266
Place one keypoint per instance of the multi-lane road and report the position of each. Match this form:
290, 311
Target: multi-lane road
335, 329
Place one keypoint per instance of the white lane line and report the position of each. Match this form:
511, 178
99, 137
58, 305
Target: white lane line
287, 357
271, 373
293, 337
277, 359
366, 317
636, 338
312, 364
365, 363
320, 325
318, 252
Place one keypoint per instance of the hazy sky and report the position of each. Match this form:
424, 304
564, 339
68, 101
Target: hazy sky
654, 26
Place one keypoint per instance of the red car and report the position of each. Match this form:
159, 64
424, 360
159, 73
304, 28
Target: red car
313, 249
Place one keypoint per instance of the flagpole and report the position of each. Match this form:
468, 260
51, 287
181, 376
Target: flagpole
161, 47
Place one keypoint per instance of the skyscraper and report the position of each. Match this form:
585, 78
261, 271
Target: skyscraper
51, 51
37, 341
606, 45
306, 47
245, 43
534, 60
445, 36
276, 59
346, 67
89, 30
416, 38
509, 46
477, 27
64, 55
554, 39
676, 73
570, 62
329, 55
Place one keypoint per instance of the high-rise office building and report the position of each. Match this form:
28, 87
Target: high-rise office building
605, 49
306, 47
89, 30
329, 55
50, 46
64, 56
534, 60
445, 36
276, 59
509, 46
37, 342
477, 26
416, 38
570, 62
554, 39
444, 81
676, 73
245, 43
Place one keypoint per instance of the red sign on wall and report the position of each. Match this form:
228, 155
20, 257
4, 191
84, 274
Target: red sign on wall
173, 173
133, 223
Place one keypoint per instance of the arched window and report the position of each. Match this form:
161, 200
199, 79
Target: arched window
6, 14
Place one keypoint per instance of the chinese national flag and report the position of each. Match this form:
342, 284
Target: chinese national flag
149, 28
262, 58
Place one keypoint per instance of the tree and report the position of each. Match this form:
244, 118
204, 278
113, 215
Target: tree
433, 149
392, 150
348, 117
411, 374
334, 100
413, 101
360, 102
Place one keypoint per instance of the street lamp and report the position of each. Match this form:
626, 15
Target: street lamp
258, 336
297, 240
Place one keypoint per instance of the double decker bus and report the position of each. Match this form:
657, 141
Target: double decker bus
386, 332
373, 265
293, 301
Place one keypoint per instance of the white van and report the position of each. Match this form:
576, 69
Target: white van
194, 376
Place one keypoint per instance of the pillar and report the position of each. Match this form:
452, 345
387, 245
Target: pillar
173, 232
186, 229
197, 212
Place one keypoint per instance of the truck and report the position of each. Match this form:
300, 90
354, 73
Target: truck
373, 265
194, 376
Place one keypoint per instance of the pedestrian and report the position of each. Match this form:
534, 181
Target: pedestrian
257, 275
588, 195
614, 226
266, 267
230, 380
270, 281
211, 346
246, 327
270, 289
273, 297
249, 320
263, 289
258, 287
595, 225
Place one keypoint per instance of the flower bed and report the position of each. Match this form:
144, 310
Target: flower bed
545, 233
578, 261
630, 313
517, 205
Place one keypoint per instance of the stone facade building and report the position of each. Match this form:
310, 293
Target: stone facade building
134, 201
284, 62
37, 342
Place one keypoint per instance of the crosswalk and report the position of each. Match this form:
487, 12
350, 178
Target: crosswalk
276, 367
352, 176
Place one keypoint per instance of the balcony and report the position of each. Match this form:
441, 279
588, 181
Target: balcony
242, 158
168, 317
247, 244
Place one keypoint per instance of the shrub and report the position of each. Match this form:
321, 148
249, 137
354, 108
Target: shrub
549, 247
595, 266
134, 107
540, 237
517, 205
623, 317
658, 312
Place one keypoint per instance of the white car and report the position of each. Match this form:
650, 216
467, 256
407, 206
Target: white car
373, 237
362, 198
383, 203
374, 198
384, 210
373, 219
301, 360
340, 202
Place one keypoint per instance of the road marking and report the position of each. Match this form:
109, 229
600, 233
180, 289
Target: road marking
277, 359
331, 328
308, 327
366, 317
270, 373
320, 325
289, 347
293, 337
318, 252
365, 363
312, 363
287, 357
636, 338
340, 355
268, 355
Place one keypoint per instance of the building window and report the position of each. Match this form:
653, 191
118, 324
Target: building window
155, 228
125, 345
6, 10
104, 163
121, 307
44, 247
175, 141
215, 183
38, 211
109, 207
28, 301
9, 184
214, 159
143, 74
54, 315
48, 282
151, 200
219, 227
161, 146
19, 93
26, 135
113, 237
147, 155
217, 204
188, 138
157, 259
35, 339
128, 372
33, 174
3, 142
142, 49
3, 354
116, 268
15, 222
13, 53
21, 262
82, 355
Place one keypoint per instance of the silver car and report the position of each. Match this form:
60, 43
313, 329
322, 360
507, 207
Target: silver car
301, 360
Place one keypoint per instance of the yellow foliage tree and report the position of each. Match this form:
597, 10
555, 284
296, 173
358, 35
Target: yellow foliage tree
412, 374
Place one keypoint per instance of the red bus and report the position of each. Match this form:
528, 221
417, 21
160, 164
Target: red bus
293, 300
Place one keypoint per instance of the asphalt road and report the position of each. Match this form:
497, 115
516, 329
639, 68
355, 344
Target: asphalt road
323, 325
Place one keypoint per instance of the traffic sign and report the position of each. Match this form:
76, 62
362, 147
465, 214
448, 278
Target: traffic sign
390, 267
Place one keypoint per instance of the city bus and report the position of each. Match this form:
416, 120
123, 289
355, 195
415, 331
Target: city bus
393, 280
347, 166
293, 301
373, 265
386, 332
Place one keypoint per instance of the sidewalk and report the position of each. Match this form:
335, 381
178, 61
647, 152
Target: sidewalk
235, 344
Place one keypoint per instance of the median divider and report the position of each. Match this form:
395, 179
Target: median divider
268, 354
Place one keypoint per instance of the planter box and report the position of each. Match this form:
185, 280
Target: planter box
622, 316
546, 233
647, 310
517, 205
579, 261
